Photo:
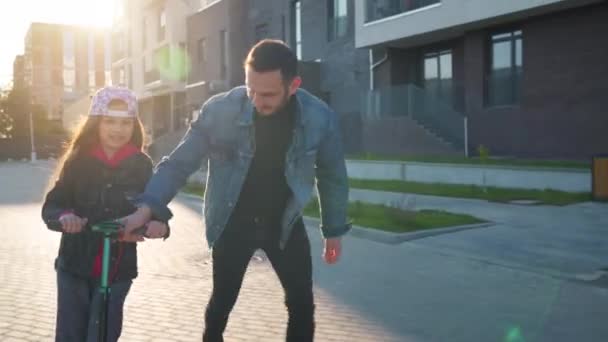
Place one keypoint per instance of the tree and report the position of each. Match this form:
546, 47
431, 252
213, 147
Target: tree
7, 125
6, 121
15, 110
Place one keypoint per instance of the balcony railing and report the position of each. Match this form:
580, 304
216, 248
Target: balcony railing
380, 9
427, 108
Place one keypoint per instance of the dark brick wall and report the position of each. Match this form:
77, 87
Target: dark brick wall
563, 110
268, 16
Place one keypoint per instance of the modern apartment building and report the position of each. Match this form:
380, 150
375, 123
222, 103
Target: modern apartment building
217, 45
150, 57
19, 72
320, 32
529, 76
61, 64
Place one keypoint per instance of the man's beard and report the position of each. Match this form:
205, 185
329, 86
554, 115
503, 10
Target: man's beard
282, 105
284, 101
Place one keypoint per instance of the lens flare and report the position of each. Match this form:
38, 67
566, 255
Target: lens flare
172, 62
514, 335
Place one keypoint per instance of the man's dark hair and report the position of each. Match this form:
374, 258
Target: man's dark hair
270, 55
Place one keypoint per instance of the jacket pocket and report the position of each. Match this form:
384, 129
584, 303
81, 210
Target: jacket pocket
305, 166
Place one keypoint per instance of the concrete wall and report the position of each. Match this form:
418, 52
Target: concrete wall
502, 177
205, 76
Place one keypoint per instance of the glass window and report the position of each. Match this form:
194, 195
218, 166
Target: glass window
431, 69
223, 54
337, 19
91, 66
162, 24
501, 55
144, 36
297, 20
69, 65
445, 62
107, 61
437, 70
202, 50
503, 82
119, 76
130, 76
379, 9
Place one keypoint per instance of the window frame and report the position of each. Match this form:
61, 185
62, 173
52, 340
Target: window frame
511, 35
162, 24
201, 50
337, 26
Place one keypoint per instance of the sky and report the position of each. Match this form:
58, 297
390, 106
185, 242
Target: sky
16, 16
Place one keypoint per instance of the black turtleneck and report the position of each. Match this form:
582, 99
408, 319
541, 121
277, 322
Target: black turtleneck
265, 191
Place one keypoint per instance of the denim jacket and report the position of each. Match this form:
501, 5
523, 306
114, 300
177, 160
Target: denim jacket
223, 137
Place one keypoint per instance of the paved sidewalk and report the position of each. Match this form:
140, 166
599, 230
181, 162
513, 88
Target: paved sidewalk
167, 300
512, 282
565, 241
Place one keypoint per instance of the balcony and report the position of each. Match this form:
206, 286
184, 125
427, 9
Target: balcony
151, 76
380, 9
406, 23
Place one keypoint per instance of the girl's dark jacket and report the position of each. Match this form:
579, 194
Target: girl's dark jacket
97, 190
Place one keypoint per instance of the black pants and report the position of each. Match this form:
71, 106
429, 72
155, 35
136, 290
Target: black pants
231, 255
78, 304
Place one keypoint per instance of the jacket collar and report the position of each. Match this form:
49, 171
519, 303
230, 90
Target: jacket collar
124, 153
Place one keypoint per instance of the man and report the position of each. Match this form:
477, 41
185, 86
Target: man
265, 145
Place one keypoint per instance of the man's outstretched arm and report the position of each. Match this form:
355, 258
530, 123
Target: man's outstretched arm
171, 175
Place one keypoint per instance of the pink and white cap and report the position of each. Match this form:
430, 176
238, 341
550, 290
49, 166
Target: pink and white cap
105, 95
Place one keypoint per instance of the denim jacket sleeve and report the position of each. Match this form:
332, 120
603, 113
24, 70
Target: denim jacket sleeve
332, 181
172, 172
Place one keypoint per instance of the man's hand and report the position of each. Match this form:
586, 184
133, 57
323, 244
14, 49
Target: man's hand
71, 223
139, 218
127, 237
332, 250
156, 230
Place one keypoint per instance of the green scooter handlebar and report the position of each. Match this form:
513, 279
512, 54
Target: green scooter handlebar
107, 227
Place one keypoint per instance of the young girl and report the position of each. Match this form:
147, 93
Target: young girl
102, 170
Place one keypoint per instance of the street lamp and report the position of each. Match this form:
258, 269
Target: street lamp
33, 145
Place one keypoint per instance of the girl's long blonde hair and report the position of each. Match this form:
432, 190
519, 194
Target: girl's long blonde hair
86, 136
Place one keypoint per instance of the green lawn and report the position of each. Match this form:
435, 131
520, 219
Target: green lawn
382, 217
395, 220
195, 189
477, 161
552, 197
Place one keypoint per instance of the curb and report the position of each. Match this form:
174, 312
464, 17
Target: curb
397, 238
189, 196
